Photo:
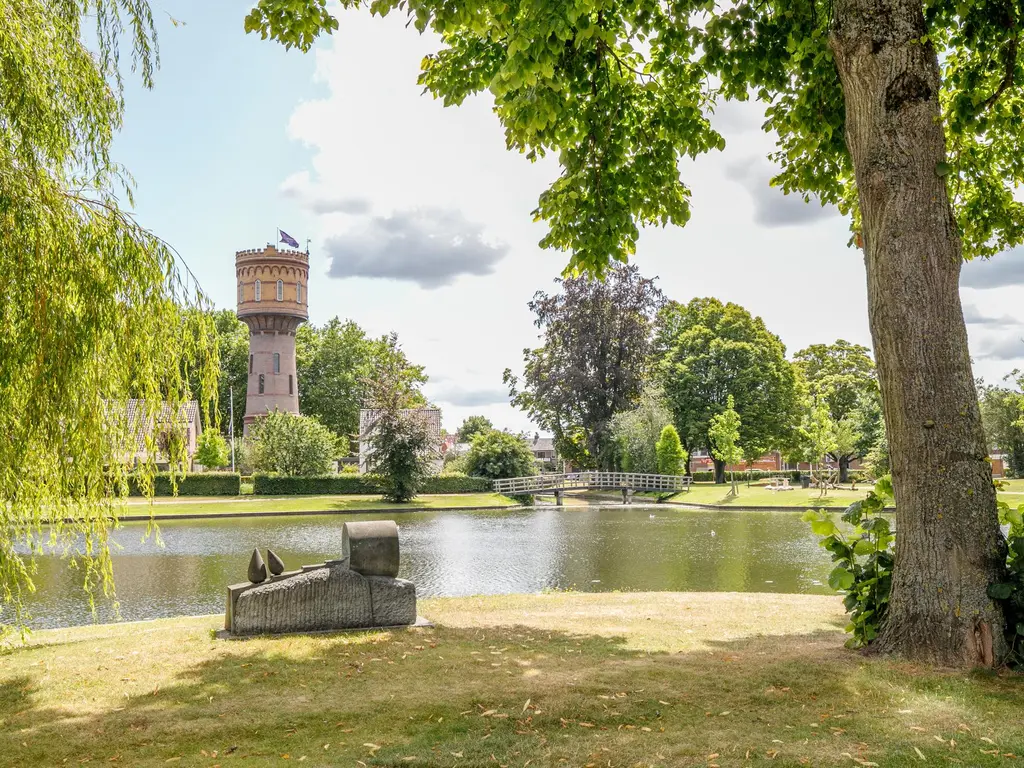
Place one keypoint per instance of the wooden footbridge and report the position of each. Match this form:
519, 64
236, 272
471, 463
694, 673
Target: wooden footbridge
626, 482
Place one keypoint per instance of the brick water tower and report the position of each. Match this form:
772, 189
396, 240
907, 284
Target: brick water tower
272, 302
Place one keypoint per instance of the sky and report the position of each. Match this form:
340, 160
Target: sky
418, 218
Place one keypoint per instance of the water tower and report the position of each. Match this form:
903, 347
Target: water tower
272, 301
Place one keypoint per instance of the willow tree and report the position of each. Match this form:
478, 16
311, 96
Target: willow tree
906, 114
93, 305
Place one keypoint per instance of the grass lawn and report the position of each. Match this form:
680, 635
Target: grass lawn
642, 679
758, 496
1014, 487
256, 504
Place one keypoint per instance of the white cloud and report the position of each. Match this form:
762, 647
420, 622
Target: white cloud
772, 206
427, 246
1003, 270
317, 199
974, 316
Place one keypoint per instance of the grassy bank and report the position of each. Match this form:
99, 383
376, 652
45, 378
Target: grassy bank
759, 496
547, 680
264, 504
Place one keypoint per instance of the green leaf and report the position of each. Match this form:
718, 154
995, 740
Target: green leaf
943, 168
1000, 591
840, 578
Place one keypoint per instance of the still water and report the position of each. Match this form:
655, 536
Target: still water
452, 553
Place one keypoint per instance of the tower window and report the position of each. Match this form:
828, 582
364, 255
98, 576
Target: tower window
250, 363
277, 362
259, 291
298, 293
291, 385
241, 292
280, 290
261, 384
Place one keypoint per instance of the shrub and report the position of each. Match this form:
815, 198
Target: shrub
863, 558
291, 445
197, 484
212, 450
497, 454
278, 485
669, 452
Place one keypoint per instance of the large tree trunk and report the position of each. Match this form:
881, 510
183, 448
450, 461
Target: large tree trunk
949, 547
719, 471
844, 469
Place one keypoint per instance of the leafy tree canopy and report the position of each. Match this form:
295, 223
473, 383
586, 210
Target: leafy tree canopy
94, 306
334, 362
233, 352
637, 431
842, 374
669, 451
1002, 413
496, 454
724, 437
212, 450
401, 445
597, 336
714, 352
473, 426
620, 93
290, 445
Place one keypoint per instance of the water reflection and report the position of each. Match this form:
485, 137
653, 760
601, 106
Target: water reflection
453, 553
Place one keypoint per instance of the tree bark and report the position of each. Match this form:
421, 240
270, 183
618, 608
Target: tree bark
719, 471
949, 547
844, 469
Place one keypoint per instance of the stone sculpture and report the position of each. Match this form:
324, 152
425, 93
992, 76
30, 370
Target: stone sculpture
257, 570
357, 591
275, 563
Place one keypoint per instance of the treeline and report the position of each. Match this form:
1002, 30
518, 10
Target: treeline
619, 362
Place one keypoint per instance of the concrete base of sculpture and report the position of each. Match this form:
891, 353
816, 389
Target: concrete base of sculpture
324, 597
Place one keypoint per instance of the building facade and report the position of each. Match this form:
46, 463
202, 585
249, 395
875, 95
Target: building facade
272, 301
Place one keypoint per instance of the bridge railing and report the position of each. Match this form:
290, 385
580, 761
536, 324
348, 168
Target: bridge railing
593, 481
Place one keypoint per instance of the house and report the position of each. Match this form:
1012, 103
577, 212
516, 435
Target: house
543, 449
145, 432
432, 416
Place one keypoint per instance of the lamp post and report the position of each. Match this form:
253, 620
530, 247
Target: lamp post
231, 411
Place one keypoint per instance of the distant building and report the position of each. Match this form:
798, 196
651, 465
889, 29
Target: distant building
433, 420
143, 431
543, 449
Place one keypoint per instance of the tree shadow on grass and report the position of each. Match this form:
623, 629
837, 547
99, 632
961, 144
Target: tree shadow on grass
488, 696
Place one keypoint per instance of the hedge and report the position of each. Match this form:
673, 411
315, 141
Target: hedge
192, 484
331, 485
855, 475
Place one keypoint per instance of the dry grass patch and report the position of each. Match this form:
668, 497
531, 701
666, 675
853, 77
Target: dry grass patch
543, 680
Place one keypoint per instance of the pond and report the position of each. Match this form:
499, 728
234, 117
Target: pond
455, 553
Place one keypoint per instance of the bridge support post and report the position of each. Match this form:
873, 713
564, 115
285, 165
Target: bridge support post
559, 497
627, 495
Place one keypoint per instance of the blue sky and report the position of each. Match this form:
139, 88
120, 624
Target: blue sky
420, 219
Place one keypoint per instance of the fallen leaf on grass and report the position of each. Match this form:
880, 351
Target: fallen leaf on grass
920, 754
986, 739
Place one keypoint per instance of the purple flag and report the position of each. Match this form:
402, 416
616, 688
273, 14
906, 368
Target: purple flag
288, 239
